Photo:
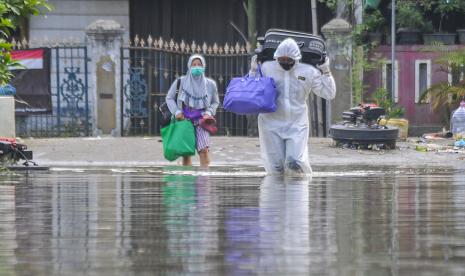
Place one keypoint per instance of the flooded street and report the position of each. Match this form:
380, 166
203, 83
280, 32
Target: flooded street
232, 221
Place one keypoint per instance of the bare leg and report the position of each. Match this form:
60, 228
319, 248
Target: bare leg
204, 158
186, 161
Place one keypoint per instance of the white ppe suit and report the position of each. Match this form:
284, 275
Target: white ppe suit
284, 133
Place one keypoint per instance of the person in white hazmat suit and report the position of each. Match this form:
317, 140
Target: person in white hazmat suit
284, 133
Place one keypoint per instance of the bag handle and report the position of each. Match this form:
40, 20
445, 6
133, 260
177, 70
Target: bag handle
178, 85
259, 70
173, 119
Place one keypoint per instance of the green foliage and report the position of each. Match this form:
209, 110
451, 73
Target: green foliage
11, 11
409, 15
362, 64
428, 27
446, 96
382, 98
5, 61
251, 12
331, 4
444, 8
373, 21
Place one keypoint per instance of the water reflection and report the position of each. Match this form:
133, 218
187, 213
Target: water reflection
284, 226
190, 218
157, 222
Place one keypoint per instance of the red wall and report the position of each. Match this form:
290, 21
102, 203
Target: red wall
417, 114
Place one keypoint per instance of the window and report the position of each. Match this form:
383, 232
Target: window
456, 73
387, 80
422, 77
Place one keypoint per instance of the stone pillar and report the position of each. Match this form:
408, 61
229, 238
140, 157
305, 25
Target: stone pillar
105, 39
339, 49
7, 117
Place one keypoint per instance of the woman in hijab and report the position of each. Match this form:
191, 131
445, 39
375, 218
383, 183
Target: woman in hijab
197, 100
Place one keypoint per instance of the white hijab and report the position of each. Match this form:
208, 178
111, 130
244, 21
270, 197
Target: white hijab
194, 88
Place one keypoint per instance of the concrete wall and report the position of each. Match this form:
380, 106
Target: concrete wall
67, 23
70, 18
7, 115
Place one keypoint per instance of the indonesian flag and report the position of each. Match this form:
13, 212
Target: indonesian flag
30, 59
32, 82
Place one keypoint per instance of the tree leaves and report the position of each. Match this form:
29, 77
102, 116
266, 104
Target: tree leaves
445, 95
10, 11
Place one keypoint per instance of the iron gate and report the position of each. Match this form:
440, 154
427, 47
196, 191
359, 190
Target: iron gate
149, 67
69, 96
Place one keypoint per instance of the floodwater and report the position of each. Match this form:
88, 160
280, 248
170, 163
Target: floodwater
232, 221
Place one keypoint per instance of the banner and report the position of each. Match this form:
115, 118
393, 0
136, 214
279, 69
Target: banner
32, 81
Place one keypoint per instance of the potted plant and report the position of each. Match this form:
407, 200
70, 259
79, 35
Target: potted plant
445, 96
461, 35
373, 22
409, 21
443, 8
394, 113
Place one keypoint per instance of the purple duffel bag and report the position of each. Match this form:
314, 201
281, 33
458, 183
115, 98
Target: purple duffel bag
250, 95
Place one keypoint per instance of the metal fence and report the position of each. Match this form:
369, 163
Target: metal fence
69, 95
149, 67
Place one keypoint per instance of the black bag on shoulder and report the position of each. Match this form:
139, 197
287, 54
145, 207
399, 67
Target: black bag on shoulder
165, 111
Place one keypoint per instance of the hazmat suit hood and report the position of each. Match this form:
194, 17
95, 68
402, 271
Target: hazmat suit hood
288, 48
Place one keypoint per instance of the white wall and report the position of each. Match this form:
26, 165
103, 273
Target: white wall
70, 18
7, 115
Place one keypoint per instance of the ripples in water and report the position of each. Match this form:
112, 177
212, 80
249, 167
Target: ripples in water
172, 220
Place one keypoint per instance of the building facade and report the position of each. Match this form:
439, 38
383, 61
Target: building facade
417, 69
149, 41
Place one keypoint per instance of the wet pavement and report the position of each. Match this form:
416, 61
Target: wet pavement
225, 151
232, 220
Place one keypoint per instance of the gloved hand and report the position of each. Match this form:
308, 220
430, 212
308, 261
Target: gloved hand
253, 63
325, 69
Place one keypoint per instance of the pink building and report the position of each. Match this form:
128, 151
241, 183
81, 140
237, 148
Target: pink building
416, 70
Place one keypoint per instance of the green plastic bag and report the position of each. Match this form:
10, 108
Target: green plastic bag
178, 139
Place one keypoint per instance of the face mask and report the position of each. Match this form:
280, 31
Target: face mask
197, 70
287, 65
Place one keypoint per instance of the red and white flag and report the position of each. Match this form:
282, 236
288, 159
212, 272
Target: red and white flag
30, 59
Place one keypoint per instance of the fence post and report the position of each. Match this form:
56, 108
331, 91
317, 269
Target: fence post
339, 48
105, 39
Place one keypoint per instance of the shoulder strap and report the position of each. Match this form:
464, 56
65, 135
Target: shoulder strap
178, 85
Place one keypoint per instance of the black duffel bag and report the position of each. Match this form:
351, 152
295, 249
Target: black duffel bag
164, 110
